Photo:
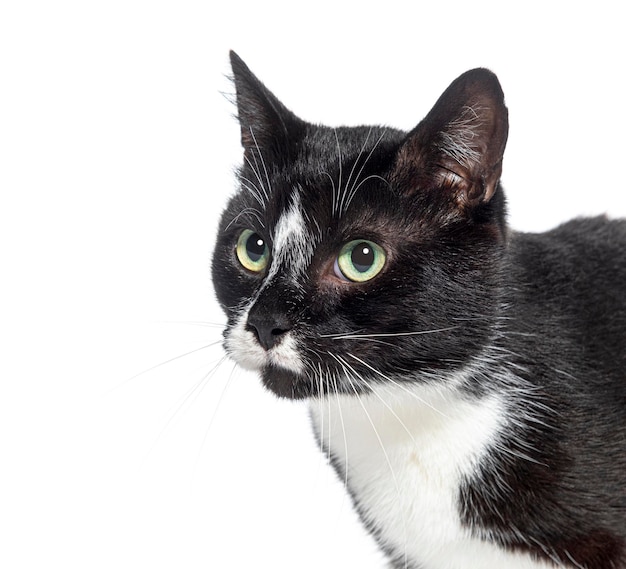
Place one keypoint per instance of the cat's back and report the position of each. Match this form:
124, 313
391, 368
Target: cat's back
569, 290
566, 322
579, 266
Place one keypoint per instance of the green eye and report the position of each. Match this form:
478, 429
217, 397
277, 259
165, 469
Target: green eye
252, 251
359, 261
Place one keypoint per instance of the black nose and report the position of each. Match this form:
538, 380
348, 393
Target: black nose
268, 329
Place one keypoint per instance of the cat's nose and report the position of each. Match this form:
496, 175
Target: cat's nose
268, 329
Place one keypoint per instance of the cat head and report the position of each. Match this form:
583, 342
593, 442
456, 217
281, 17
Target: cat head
358, 255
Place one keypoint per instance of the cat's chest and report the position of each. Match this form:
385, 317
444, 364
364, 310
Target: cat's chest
405, 462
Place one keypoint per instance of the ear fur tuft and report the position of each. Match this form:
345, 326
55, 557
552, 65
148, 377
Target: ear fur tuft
460, 144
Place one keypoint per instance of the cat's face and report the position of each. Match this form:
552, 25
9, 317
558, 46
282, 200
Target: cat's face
354, 256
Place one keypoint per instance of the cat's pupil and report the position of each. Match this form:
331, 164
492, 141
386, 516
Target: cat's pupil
255, 247
362, 257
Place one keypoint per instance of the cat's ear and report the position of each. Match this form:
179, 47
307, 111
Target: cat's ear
267, 126
460, 144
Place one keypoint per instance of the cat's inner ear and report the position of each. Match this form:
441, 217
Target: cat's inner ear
460, 144
268, 128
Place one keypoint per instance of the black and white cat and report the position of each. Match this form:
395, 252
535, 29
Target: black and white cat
467, 381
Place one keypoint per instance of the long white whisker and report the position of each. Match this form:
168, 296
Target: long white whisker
252, 187
254, 169
193, 323
267, 177
371, 151
372, 177
340, 159
346, 368
320, 407
193, 392
215, 411
248, 210
371, 341
352, 336
348, 191
145, 371
356, 188
400, 421
334, 189
318, 402
343, 430
197, 389
330, 427
399, 385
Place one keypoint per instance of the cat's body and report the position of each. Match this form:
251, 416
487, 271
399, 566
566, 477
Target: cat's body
468, 382
441, 446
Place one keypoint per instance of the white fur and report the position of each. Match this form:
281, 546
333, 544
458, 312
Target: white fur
459, 137
292, 247
406, 454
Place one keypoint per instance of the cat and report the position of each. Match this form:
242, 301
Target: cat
468, 382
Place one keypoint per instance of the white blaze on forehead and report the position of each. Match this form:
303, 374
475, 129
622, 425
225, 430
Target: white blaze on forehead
293, 247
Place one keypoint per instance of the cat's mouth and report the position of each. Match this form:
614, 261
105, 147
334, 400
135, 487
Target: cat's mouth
281, 367
286, 383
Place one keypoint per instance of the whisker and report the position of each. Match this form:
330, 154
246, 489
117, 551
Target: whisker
372, 341
372, 177
356, 188
328, 450
346, 369
333, 189
400, 421
252, 187
254, 169
193, 392
356, 336
343, 430
340, 158
399, 385
343, 363
267, 178
342, 333
197, 387
247, 211
365, 339
193, 323
166, 362
320, 406
347, 191
215, 411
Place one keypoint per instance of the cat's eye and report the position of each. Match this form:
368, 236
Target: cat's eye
252, 251
359, 261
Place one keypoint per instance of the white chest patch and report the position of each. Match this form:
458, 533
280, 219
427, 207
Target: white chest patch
404, 457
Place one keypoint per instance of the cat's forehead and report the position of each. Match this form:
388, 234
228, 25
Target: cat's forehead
333, 171
293, 240
345, 147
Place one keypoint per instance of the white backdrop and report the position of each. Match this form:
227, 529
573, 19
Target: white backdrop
116, 155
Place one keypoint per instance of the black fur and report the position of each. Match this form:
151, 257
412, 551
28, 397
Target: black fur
553, 304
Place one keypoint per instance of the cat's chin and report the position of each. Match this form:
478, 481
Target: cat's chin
286, 383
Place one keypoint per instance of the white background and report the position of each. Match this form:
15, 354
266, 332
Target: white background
116, 154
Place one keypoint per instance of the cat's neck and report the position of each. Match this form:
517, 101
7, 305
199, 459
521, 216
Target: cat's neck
404, 451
